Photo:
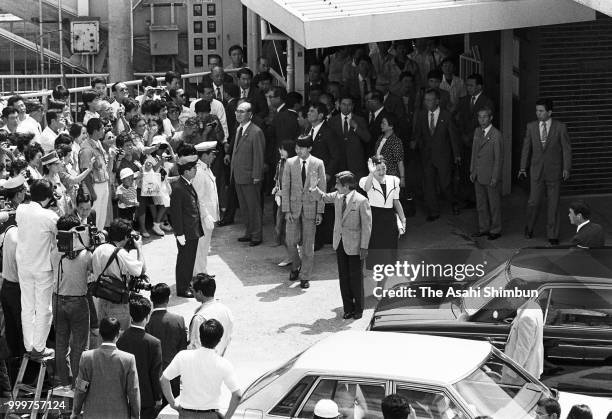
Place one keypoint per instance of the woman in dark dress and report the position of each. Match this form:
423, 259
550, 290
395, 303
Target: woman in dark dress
383, 194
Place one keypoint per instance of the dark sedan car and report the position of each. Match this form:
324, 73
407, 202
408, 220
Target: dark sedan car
573, 287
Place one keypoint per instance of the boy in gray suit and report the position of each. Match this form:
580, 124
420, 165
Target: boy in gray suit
302, 211
107, 385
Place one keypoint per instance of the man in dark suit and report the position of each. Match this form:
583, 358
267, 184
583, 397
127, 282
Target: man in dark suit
215, 60
186, 222
247, 171
252, 93
87, 216
466, 116
588, 234
224, 88
148, 353
374, 104
107, 385
485, 173
328, 148
548, 150
436, 136
168, 327
353, 130
283, 127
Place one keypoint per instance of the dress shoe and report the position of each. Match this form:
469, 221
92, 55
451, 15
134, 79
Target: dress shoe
46, 352
456, 210
528, 233
294, 275
284, 262
244, 239
186, 294
224, 223
553, 242
304, 284
431, 218
347, 316
494, 236
480, 234
357, 316
255, 243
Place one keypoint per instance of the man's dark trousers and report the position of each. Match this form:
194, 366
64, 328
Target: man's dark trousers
185, 259
249, 197
350, 270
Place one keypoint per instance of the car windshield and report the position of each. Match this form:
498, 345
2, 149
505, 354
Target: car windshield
497, 278
269, 377
499, 390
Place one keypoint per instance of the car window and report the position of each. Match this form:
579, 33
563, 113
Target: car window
355, 400
587, 307
288, 403
268, 378
429, 404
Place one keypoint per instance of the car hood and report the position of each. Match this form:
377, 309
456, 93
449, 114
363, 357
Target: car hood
600, 406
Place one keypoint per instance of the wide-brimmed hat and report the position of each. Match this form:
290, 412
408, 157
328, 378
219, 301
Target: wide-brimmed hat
50, 158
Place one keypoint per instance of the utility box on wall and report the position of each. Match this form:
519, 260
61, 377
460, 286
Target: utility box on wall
85, 36
213, 26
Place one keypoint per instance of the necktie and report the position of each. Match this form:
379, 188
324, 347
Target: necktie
345, 126
238, 137
544, 134
473, 101
218, 93
312, 134
432, 123
243, 94
344, 204
303, 172
371, 117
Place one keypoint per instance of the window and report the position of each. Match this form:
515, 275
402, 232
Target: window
212, 43
355, 400
197, 27
428, 404
268, 378
211, 26
197, 10
198, 60
198, 44
211, 10
288, 404
586, 307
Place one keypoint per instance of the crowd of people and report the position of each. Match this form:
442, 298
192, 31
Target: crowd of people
381, 127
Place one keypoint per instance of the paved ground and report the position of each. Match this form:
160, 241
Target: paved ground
275, 319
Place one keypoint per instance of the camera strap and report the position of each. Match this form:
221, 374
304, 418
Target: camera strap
110, 260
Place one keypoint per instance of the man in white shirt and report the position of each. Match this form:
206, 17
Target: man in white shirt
35, 245
451, 83
55, 124
200, 398
205, 186
204, 287
121, 93
30, 124
120, 233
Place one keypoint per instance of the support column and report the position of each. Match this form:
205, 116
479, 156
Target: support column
253, 40
82, 7
120, 64
298, 65
505, 100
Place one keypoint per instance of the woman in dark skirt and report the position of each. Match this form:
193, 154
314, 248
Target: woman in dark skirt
383, 194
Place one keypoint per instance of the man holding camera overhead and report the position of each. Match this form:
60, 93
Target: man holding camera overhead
122, 239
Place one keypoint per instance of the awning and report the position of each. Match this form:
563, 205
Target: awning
326, 23
603, 6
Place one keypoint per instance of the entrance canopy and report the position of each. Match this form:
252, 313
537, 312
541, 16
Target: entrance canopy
326, 23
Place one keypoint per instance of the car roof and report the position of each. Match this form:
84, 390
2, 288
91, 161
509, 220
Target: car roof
564, 265
388, 355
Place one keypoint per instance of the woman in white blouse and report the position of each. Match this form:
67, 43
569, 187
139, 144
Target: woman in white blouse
383, 194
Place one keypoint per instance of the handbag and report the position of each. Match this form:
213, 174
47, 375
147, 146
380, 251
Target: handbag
109, 287
151, 184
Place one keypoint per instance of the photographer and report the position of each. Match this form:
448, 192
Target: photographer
10, 294
72, 272
123, 237
35, 245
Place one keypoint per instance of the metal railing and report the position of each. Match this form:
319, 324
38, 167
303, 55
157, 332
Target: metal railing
469, 65
47, 80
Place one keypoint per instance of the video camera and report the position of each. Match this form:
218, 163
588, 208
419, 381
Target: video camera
139, 283
79, 238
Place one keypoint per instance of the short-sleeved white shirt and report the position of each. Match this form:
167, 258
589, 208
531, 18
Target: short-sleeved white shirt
202, 372
36, 237
125, 264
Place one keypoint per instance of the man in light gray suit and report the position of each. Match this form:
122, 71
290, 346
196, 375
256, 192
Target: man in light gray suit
485, 173
247, 169
107, 385
547, 146
302, 211
352, 230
